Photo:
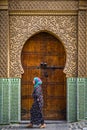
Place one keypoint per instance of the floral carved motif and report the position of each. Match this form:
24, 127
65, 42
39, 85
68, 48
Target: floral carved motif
23, 27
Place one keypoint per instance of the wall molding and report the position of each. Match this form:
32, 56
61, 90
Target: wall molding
41, 13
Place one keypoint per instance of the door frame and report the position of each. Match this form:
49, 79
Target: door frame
65, 55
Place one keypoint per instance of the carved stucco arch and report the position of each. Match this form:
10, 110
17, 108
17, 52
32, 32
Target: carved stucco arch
23, 27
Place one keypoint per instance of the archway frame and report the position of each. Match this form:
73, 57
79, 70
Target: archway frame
23, 27
38, 46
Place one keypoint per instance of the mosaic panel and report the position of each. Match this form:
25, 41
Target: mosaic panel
81, 98
15, 100
86, 98
71, 99
1, 102
4, 101
9, 100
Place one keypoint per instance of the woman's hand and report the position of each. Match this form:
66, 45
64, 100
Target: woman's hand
38, 99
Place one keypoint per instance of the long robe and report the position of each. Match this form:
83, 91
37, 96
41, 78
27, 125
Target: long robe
36, 109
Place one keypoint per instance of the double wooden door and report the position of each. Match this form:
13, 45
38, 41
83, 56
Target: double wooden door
43, 56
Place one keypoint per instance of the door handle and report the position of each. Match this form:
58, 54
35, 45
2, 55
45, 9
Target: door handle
45, 66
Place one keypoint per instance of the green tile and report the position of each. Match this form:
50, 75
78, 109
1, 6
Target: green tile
81, 98
86, 98
71, 99
14, 100
6, 114
9, 100
1, 101
4, 101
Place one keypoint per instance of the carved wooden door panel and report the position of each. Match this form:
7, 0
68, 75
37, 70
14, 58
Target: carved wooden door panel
43, 55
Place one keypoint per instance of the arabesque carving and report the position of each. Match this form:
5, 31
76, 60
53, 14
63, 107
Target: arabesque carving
23, 27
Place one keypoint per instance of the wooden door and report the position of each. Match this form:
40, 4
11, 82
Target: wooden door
44, 49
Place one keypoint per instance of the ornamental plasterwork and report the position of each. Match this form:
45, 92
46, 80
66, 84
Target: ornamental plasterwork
23, 27
86, 43
82, 44
3, 43
43, 4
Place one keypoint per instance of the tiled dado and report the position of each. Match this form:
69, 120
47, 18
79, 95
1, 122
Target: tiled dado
9, 100
10, 103
82, 99
76, 99
71, 99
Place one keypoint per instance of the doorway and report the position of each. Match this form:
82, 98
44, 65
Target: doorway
43, 56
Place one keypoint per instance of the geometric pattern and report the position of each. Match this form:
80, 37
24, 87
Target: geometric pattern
3, 43
82, 44
71, 99
86, 43
43, 5
4, 101
15, 101
82, 99
9, 100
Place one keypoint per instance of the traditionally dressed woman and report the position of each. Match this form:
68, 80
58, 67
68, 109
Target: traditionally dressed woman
36, 109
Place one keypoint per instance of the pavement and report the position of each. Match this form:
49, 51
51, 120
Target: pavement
59, 125
80, 125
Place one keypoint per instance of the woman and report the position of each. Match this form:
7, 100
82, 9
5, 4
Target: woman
36, 109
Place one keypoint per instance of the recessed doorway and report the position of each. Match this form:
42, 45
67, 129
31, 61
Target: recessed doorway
44, 49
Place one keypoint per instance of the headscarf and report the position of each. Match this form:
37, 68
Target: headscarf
37, 82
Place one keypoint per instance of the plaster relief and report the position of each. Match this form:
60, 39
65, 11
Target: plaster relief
23, 27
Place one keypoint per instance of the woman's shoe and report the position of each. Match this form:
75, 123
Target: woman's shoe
30, 126
43, 126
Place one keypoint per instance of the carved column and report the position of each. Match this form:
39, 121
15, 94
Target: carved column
86, 43
4, 29
82, 39
82, 62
